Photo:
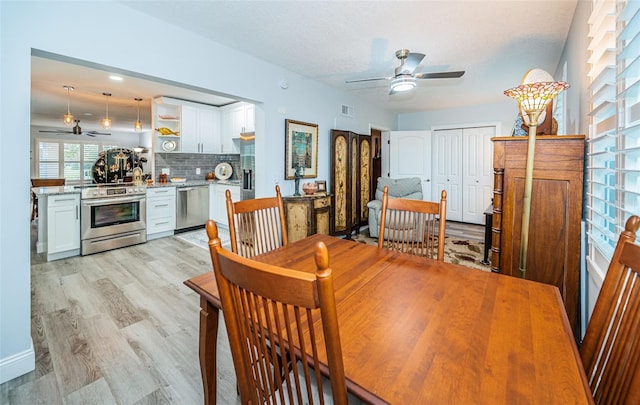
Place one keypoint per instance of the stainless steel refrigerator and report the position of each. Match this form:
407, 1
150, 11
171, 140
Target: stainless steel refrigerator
248, 164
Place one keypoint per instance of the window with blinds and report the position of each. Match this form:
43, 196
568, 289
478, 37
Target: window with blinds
614, 139
69, 159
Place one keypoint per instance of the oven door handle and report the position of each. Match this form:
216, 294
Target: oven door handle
103, 201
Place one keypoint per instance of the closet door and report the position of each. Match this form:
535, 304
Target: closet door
477, 173
410, 153
447, 169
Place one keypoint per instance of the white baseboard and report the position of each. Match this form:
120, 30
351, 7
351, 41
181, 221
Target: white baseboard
17, 365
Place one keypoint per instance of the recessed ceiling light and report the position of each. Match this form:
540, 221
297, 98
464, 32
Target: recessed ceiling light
115, 78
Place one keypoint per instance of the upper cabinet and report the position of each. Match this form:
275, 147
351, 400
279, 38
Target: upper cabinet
200, 129
182, 126
236, 119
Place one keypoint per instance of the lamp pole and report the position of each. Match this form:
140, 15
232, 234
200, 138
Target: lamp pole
528, 186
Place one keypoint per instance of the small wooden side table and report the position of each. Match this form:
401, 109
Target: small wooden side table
307, 215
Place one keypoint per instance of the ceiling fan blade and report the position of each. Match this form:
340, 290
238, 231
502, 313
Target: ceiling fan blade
439, 75
412, 62
367, 80
55, 131
94, 133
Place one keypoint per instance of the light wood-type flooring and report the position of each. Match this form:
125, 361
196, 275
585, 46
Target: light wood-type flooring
119, 327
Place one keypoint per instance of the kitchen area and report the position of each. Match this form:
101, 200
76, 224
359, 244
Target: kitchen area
196, 153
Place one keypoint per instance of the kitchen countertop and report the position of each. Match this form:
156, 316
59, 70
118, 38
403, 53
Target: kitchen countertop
59, 190
192, 183
56, 190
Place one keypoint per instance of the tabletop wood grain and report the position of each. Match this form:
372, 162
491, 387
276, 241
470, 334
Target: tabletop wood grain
415, 330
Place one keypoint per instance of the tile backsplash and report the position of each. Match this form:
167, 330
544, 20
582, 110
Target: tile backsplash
185, 164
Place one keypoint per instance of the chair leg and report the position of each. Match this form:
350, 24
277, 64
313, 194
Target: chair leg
34, 209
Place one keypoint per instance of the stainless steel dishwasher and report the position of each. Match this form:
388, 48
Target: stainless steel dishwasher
192, 206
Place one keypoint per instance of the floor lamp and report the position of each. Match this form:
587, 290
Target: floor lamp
532, 98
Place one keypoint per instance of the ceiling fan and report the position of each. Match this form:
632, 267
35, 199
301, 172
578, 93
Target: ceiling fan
76, 130
405, 78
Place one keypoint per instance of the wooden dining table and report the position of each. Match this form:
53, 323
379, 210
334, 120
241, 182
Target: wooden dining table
418, 331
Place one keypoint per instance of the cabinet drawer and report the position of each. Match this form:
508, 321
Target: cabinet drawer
63, 200
160, 225
321, 202
161, 207
161, 192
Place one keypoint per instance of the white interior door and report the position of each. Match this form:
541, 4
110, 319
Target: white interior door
478, 172
447, 169
410, 156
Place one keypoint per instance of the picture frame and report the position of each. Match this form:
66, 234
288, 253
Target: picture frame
322, 186
301, 149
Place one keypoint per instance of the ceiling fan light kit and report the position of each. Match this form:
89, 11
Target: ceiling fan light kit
68, 117
106, 121
402, 83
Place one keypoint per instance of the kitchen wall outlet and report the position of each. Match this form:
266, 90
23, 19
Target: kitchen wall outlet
166, 170
197, 170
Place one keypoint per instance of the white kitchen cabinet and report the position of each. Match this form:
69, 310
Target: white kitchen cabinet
63, 226
218, 202
161, 212
200, 129
249, 118
236, 119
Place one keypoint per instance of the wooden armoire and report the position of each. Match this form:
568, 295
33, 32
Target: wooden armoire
553, 255
350, 181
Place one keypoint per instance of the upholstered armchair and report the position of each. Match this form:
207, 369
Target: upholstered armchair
410, 188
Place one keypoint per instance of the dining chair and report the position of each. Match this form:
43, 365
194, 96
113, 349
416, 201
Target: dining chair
256, 226
266, 306
41, 183
413, 226
610, 350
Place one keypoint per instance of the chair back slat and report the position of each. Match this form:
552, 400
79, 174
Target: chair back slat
610, 350
413, 226
277, 319
256, 226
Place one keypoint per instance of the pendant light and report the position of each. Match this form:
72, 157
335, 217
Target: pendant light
68, 118
106, 121
138, 125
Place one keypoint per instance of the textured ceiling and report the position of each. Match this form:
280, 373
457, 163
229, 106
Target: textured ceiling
495, 42
333, 41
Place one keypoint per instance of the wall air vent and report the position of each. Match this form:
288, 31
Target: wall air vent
346, 111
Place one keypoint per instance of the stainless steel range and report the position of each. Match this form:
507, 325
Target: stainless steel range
112, 216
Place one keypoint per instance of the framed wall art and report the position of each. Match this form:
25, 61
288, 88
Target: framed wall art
301, 150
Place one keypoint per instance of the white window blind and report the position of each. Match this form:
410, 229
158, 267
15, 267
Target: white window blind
614, 139
49, 160
69, 159
602, 74
628, 145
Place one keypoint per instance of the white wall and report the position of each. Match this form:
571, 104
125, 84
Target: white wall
113, 34
504, 112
